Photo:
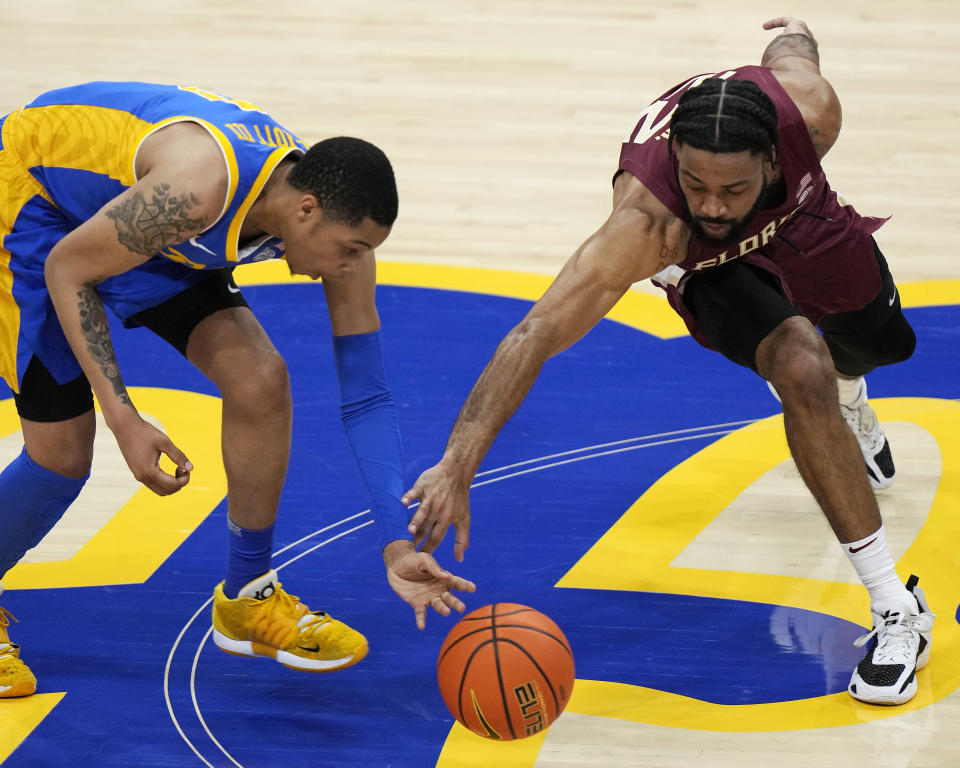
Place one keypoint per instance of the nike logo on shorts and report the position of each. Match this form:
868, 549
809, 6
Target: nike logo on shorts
893, 298
232, 288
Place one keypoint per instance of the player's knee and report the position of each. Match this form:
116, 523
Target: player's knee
796, 361
75, 465
67, 452
263, 381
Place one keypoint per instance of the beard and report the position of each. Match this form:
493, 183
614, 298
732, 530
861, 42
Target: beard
737, 226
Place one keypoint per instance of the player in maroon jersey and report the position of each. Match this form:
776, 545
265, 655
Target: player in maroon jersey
720, 197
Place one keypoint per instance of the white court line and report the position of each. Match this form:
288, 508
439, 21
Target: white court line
597, 455
193, 695
166, 682
685, 437
618, 442
196, 656
202, 608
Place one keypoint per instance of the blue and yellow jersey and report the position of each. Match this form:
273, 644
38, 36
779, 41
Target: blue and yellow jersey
80, 143
68, 153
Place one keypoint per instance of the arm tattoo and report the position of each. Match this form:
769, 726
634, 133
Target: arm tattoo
93, 323
149, 227
793, 44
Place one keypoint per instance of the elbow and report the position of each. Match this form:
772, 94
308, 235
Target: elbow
534, 337
58, 270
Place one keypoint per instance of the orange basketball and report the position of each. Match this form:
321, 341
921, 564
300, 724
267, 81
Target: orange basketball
505, 671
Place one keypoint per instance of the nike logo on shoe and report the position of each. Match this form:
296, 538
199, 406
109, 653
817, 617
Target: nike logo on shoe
308, 649
854, 550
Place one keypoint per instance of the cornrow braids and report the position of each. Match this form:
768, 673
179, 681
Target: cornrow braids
726, 116
351, 179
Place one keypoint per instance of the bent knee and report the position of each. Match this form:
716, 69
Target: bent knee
63, 447
795, 359
261, 379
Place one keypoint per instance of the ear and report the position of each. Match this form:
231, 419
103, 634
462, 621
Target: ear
307, 207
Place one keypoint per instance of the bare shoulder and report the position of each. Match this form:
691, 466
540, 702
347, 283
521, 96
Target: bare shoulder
794, 59
631, 193
642, 236
818, 104
186, 152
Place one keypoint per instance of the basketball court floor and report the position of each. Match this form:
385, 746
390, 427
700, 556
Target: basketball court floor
643, 496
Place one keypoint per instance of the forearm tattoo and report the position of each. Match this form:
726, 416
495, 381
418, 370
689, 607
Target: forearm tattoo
147, 228
93, 323
801, 45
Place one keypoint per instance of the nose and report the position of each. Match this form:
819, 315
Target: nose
713, 207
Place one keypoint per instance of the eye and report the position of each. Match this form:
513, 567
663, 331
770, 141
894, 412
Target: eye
350, 251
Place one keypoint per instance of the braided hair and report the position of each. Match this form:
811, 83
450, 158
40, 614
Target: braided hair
351, 179
726, 116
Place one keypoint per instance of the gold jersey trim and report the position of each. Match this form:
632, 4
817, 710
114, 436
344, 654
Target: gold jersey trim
273, 160
226, 149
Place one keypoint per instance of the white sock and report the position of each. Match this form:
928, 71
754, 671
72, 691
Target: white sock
871, 557
850, 390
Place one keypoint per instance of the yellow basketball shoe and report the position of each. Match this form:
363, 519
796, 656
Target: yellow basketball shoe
263, 620
16, 679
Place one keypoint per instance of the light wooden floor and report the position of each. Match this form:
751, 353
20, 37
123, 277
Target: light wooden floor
504, 118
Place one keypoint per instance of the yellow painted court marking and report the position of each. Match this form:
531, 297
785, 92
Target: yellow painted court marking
148, 529
647, 313
464, 749
18, 718
637, 551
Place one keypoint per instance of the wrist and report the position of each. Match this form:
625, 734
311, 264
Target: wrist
120, 417
461, 468
395, 550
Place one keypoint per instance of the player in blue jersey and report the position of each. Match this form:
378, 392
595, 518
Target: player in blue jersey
143, 198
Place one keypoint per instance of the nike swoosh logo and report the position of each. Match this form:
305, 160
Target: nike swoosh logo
195, 244
854, 550
893, 298
308, 649
232, 288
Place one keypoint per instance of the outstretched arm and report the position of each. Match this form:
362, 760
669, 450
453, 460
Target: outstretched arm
794, 58
630, 246
370, 421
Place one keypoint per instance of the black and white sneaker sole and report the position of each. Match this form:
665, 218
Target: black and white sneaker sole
880, 469
887, 696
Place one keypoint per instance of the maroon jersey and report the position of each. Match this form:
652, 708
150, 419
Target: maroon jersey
820, 249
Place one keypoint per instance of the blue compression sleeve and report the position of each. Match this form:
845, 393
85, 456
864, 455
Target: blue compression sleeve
32, 500
370, 420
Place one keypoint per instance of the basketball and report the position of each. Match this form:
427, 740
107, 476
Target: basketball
505, 671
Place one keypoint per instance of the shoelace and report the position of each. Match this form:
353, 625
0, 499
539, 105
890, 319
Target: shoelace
864, 423
7, 648
5, 617
308, 622
895, 636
